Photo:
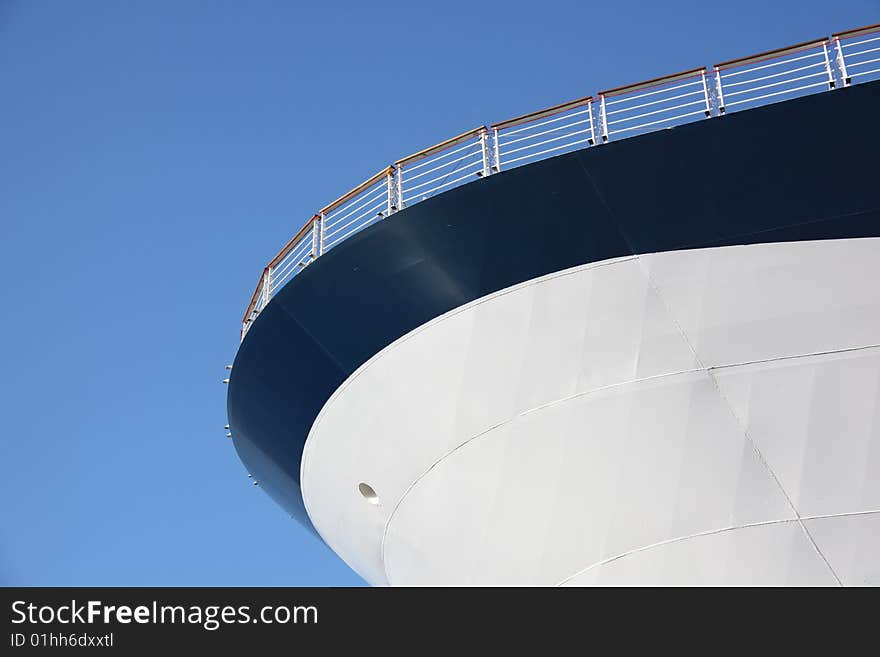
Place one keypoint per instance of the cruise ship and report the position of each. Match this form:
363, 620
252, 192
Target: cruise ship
632, 339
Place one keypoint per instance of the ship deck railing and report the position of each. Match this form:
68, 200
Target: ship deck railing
703, 93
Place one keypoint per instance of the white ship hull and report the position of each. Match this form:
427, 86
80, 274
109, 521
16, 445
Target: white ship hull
707, 416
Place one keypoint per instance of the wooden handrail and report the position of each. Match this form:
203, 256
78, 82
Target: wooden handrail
858, 31
443, 145
369, 182
770, 54
655, 82
540, 114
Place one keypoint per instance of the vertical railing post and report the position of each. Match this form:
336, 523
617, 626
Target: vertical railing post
706, 94
719, 91
828, 65
841, 64
484, 149
390, 193
603, 118
322, 233
497, 146
267, 281
400, 204
316, 237
592, 140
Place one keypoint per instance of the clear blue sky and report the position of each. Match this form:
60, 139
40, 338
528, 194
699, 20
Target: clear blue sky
154, 155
